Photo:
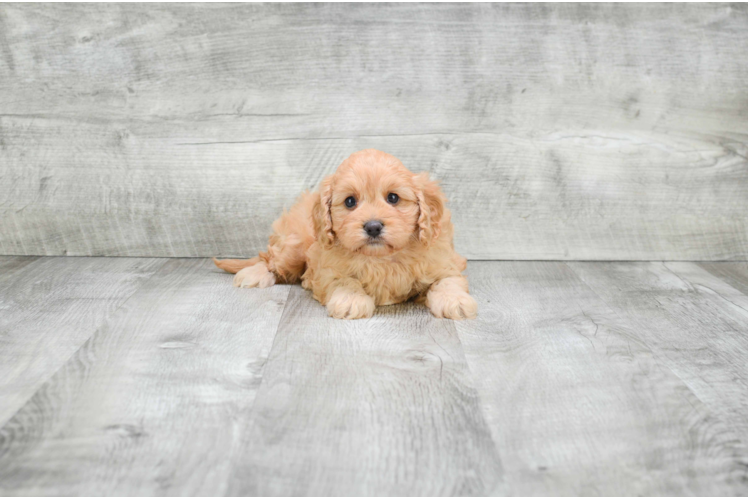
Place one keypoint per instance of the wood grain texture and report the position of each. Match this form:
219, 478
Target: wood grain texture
572, 131
733, 273
577, 402
696, 324
153, 403
576, 379
12, 265
383, 406
48, 308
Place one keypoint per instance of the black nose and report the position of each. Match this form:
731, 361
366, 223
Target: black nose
373, 228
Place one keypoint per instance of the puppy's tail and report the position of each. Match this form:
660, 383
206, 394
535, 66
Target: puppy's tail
233, 266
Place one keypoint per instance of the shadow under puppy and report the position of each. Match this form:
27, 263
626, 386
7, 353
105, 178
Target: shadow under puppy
374, 234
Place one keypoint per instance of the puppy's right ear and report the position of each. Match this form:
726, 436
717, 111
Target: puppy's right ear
322, 215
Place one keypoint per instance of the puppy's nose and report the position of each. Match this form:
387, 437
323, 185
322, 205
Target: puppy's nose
373, 228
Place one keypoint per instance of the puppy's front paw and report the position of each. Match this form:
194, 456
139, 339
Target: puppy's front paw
254, 276
452, 304
346, 304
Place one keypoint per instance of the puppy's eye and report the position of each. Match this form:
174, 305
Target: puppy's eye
392, 198
350, 202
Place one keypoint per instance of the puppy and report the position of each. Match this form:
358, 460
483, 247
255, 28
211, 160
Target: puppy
374, 234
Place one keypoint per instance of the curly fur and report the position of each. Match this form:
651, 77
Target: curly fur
321, 243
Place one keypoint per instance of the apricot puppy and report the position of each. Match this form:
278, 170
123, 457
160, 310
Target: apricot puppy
374, 234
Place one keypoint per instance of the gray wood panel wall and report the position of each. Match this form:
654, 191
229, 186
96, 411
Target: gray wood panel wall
561, 131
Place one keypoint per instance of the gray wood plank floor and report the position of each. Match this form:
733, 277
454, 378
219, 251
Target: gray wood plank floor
125, 376
48, 308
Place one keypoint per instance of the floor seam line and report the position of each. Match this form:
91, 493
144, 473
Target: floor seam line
251, 410
74, 353
663, 359
483, 414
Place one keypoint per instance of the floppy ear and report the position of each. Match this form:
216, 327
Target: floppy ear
431, 206
322, 215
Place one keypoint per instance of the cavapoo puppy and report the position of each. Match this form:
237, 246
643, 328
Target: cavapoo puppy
374, 234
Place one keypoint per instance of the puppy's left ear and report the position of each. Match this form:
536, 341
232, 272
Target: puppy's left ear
431, 202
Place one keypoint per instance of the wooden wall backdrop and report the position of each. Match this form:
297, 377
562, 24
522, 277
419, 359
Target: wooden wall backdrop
563, 131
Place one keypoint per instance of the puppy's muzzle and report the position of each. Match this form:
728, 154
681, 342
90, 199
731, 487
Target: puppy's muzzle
373, 228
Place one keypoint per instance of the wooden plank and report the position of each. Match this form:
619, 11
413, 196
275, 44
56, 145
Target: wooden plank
153, 403
697, 325
577, 402
734, 274
48, 308
10, 266
215, 215
383, 406
574, 131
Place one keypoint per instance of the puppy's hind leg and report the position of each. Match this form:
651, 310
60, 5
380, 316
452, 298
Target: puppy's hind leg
284, 262
250, 273
255, 276
285, 259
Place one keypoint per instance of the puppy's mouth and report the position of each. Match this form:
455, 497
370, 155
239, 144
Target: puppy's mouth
376, 243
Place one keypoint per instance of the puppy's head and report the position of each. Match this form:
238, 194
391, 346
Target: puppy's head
375, 206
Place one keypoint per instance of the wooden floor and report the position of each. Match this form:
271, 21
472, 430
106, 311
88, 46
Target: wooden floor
124, 376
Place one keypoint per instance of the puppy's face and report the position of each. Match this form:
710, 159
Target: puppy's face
374, 206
